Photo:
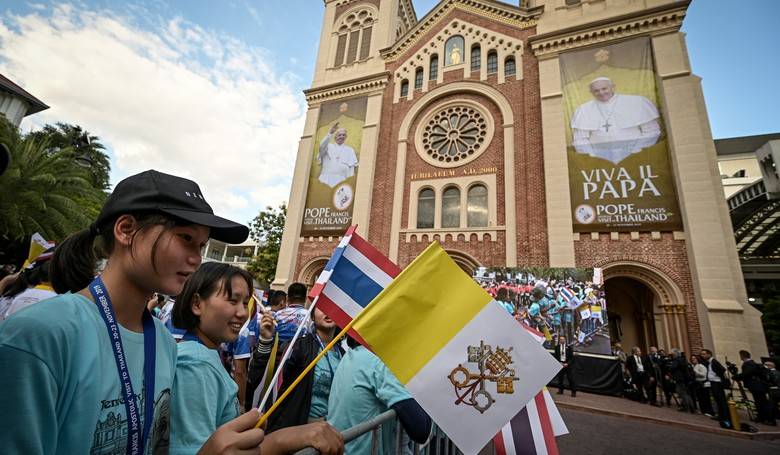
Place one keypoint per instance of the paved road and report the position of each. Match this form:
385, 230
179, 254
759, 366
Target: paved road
595, 434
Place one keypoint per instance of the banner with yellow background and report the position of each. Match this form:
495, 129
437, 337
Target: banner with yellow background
619, 173
334, 168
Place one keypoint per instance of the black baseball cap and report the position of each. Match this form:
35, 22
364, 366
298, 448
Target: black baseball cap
153, 191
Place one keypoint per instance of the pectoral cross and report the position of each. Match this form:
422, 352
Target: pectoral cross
606, 125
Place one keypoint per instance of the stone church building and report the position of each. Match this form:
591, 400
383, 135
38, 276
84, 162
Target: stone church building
458, 127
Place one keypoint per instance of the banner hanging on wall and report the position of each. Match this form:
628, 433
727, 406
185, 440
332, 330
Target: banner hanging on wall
619, 173
331, 191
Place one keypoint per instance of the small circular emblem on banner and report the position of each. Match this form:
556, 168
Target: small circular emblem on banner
584, 214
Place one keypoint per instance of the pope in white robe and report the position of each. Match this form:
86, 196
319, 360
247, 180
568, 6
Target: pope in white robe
337, 160
614, 126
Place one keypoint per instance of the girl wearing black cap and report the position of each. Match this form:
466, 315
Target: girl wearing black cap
91, 371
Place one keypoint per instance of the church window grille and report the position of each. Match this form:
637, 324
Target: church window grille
365, 43
477, 206
353, 45
433, 72
340, 48
426, 208
453, 51
454, 134
450, 208
509, 67
418, 79
476, 57
492, 62
404, 88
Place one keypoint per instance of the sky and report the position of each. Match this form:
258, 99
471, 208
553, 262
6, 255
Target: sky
212, 90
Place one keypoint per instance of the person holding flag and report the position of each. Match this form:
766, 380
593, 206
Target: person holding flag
212, 309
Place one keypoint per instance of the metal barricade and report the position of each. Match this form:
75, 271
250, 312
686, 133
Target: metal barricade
438, 443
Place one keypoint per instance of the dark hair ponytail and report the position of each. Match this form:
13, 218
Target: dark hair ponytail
73, 265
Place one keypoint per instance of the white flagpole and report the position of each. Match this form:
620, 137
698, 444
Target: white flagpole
287, 355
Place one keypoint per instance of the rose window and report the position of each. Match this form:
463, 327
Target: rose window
454, 134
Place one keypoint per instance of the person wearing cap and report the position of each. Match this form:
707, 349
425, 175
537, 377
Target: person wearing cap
97, 378
613, 126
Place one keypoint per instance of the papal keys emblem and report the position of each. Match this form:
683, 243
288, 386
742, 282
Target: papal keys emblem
493, 366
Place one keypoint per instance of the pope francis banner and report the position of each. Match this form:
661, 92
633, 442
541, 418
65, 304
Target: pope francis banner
619, 173
331, 191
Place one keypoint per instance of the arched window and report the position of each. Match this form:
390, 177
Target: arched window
476, 57
450, 208
433, 71
477, 206
426, 207
492, 62
418, 79
354, 37
509, 67
453, 51
404, 88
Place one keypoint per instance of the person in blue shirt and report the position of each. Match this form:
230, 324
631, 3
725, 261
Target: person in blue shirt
97, 377
364, 388
212, 310
289, 318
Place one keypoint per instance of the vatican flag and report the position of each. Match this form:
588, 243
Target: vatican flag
464, 359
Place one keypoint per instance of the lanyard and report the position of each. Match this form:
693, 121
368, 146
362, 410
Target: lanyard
135, 439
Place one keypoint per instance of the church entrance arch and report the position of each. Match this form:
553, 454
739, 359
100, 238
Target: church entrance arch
311, 270
465, 261
645, 307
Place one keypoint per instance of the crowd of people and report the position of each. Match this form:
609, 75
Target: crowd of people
104, 362
701, 383
576, 310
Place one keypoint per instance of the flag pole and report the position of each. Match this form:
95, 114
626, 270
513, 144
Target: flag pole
306, 371
287, 354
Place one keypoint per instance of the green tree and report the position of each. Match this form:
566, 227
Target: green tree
267, 229
44, 190
82, 147
771, 318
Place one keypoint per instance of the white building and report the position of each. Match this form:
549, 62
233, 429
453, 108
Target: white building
238, 255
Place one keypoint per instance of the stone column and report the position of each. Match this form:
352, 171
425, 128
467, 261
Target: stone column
365, 174
288, 251
725, 316
560, 233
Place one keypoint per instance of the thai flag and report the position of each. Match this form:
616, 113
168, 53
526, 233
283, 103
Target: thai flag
567, 294
355, 274
533, 430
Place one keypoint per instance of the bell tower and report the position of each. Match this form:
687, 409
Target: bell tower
353, 33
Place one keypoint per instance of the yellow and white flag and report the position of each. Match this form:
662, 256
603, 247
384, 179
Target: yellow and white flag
456, 350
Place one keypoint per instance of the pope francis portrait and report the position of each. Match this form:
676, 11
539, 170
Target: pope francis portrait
613, 126
337, 160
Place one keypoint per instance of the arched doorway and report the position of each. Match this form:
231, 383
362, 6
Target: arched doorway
630, 312
465, 261
645, 307
311, 270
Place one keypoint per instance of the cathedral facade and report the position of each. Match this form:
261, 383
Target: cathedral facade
544, 133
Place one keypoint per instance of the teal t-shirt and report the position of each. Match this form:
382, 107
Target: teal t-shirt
362, 389
204, 397
324, 371
61, 392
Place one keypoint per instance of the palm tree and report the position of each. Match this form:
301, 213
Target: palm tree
81, 146
43, 190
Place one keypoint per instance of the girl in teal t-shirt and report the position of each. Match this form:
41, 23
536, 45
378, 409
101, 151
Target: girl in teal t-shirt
91, 371
212, 309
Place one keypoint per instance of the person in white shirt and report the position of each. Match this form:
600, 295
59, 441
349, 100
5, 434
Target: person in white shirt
614, 126
337, 160
702, 394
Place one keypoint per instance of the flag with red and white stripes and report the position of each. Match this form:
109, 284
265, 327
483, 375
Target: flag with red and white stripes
533, 430
355, 274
